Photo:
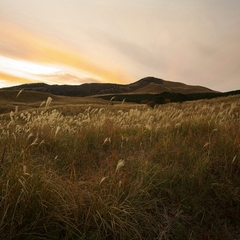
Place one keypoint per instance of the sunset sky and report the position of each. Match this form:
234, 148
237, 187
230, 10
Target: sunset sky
196, 42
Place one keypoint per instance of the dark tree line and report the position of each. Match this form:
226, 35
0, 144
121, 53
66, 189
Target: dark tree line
166, 97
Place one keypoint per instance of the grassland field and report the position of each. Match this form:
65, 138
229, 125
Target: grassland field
88, 168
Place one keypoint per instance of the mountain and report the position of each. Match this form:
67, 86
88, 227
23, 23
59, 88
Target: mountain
150, 85
154, 86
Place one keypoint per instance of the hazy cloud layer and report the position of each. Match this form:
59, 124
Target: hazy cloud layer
193, 41
65, 78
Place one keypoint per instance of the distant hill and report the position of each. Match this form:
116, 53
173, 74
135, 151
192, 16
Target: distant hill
148, 85
155, 87
29, 100
148, 90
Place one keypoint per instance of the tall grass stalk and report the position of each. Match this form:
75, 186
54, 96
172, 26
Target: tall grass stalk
171, 172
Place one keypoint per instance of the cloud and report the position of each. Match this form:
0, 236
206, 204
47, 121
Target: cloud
133, 53
67, 78
13, 80
53, 78
14, 40
27, 45
120, 41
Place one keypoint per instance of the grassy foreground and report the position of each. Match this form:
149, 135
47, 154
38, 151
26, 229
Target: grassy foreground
172, 172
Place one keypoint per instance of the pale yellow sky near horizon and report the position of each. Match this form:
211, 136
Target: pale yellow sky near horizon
76, 41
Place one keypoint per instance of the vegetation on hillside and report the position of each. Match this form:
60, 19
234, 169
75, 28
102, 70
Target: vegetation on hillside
150, 90
171, 172
149, 84
31, 100
166, 97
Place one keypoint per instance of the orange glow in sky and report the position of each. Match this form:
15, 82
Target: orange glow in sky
41, 59
73, 42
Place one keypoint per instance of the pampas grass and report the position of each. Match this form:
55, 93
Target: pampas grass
172, 172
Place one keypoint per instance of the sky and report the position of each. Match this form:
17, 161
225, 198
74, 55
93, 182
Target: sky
120, 41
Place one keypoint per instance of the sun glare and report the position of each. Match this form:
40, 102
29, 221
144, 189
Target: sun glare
49, 73
12, 65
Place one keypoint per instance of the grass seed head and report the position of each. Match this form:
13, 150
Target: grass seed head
19, 93
102, 180
120, 164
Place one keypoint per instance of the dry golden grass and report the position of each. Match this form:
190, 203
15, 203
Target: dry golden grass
122, 171
168, 86
27, 100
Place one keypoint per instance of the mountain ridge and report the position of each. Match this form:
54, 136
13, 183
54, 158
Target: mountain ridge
150, 85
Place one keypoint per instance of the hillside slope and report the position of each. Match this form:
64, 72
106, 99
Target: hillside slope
145, 85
